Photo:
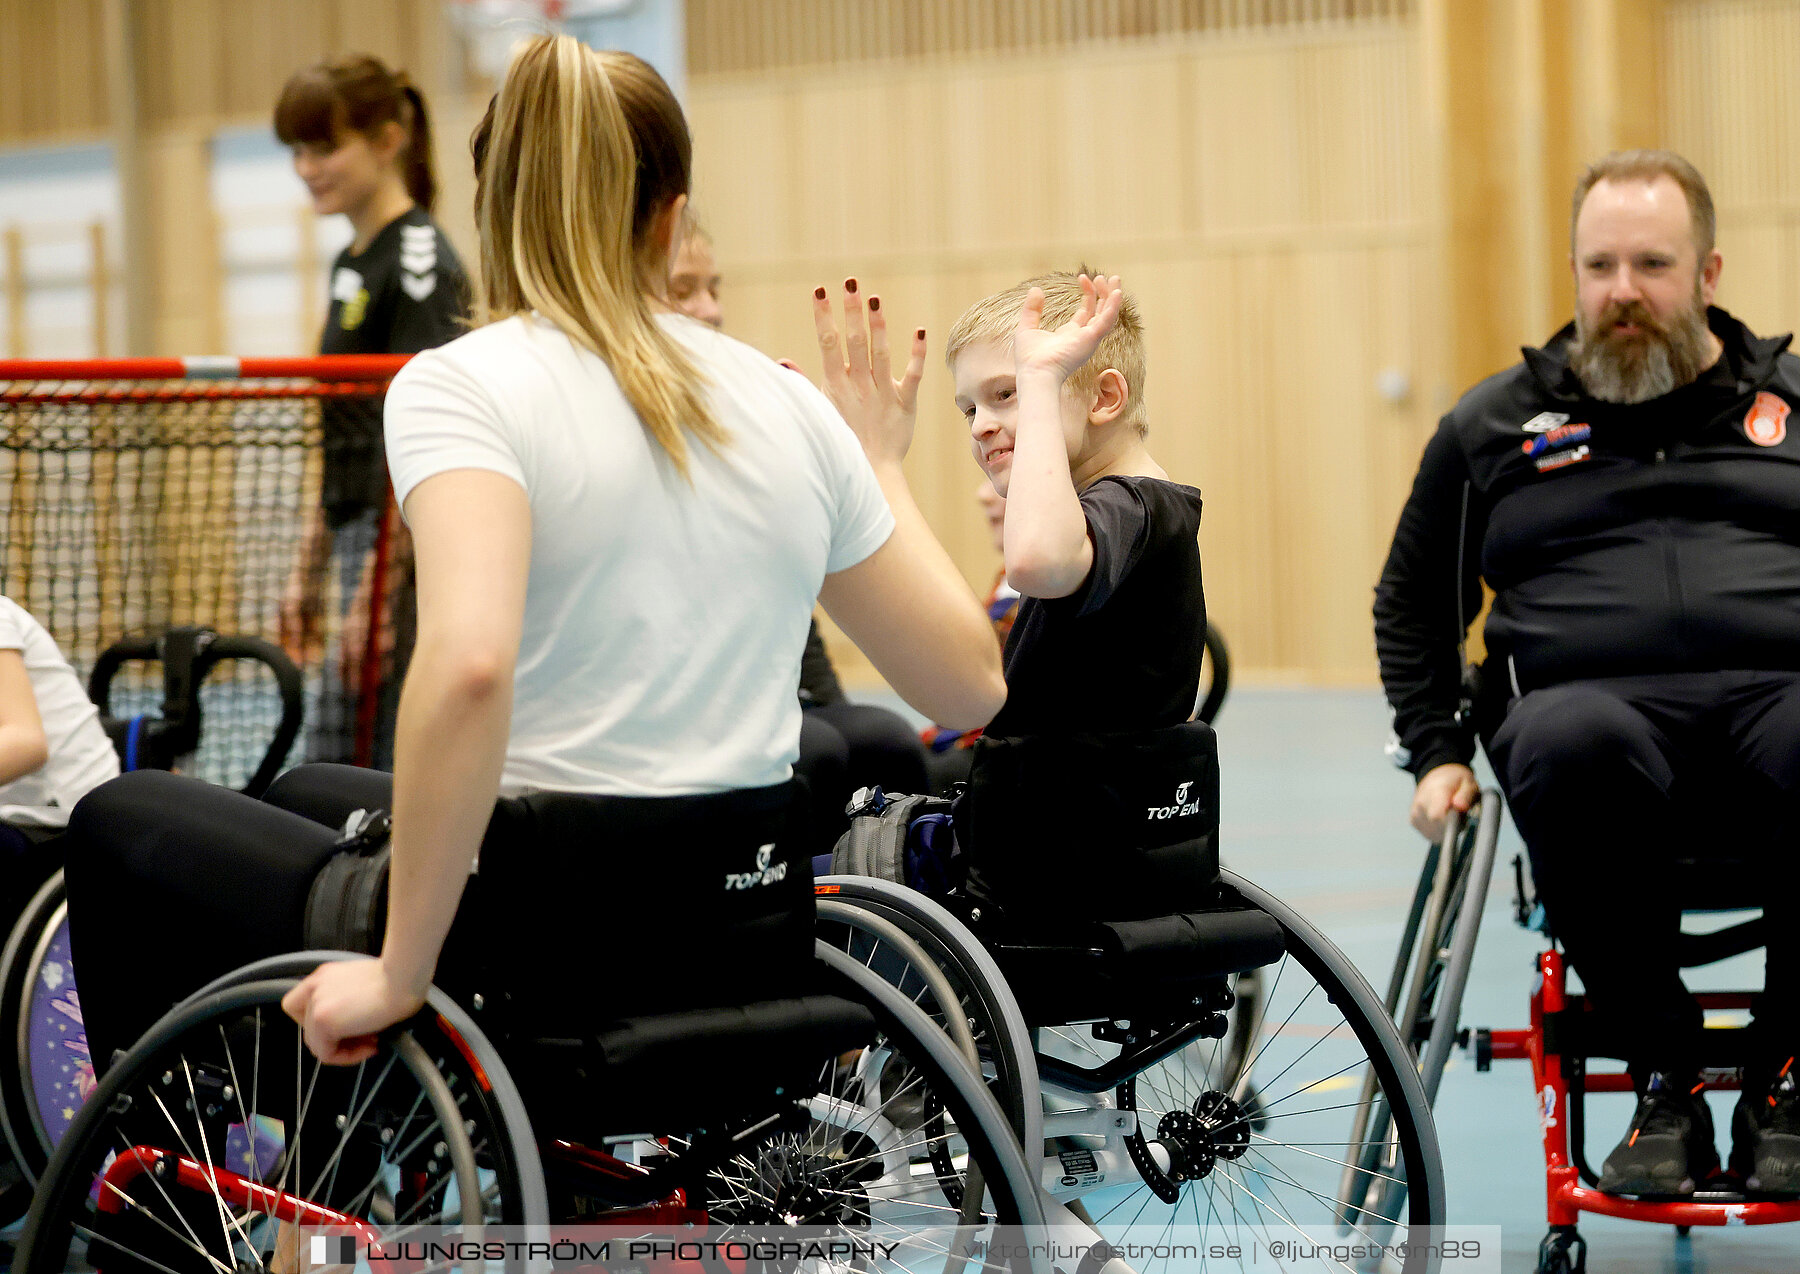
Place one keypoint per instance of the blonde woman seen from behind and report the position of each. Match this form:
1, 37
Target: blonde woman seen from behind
622, 520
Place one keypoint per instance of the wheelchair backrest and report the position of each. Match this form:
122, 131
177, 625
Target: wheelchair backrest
673, 902
1094, 827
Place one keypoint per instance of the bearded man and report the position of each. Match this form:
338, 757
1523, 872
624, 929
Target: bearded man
1631, 494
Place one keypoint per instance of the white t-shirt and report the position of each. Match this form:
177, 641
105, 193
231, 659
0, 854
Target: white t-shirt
81, 756
664, 621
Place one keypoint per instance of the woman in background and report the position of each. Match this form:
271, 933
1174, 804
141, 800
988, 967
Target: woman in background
361, 141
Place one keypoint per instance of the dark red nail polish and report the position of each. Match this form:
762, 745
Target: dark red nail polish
874, 303
849, 285
819, 294
921, 334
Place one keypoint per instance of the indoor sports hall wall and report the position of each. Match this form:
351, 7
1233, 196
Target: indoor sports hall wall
1732, 105
1337, 213
1259, 188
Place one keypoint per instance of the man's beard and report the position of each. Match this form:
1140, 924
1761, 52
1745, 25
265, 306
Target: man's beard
1646, 364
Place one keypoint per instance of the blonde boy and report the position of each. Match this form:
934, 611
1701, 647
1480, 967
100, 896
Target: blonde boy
1100, 544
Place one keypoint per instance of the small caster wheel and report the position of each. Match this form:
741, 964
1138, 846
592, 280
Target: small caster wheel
1563, 1251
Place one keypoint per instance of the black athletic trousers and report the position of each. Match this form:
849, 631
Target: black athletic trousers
174, 882
1611, 782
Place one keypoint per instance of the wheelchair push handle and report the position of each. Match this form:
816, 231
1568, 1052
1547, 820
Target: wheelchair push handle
1216, 689
188, 655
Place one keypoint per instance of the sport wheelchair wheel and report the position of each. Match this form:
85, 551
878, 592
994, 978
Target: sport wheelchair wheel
880, 1145
1247, 1129
1438, 947
218, 1139
50, 1073
1244, 1127
997, 1029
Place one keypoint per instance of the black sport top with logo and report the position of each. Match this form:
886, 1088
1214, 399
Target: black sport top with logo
1121, 653
404, 293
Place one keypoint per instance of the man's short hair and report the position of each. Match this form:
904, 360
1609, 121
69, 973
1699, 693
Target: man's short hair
995, 318
1648, 165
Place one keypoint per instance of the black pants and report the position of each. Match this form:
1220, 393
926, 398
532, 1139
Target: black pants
174, 882
1614, 783
845, 746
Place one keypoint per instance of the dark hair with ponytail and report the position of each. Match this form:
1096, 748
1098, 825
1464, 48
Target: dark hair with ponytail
359, 93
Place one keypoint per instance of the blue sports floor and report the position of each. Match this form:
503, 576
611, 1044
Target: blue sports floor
1313, 811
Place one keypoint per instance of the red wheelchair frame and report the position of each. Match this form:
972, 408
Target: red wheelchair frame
1562, 1080
1425, 998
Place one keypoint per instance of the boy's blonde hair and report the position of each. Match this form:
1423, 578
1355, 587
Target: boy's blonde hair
995, 318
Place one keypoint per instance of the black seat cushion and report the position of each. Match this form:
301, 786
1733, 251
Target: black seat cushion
1133, 968
676, 1072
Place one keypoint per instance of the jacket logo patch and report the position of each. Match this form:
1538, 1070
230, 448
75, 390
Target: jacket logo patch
1766, 422
1561, 436
1545, 421
1546, 463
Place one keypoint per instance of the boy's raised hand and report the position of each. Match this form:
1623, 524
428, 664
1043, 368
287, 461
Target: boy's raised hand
1072, 344
859, 374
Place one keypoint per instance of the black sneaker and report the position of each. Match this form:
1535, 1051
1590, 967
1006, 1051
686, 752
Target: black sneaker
1670, 1146
1765, 1134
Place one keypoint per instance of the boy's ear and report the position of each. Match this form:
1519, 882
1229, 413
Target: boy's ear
1111, 396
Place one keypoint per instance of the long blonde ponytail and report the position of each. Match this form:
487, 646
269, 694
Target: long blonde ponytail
579, 154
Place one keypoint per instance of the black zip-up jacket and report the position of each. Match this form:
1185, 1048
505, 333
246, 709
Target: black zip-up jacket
1618, 540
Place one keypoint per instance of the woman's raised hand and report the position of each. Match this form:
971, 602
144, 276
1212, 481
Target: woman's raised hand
1069, 346
859, 376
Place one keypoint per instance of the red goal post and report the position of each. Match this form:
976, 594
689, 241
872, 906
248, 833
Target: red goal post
137, 494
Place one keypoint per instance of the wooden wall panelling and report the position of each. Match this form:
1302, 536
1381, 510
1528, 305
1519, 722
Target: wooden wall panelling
80, 96
1112, 177
1276, 282
31, 89
157, 33
193, 61
1732, 107
12, 260
381, 29
1620, 102
1249, 171
219, 61
746, 190
14, 85
36, 48
735, 36
184, 268
998, 158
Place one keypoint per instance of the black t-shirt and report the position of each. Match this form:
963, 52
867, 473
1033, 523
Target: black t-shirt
404, 293
1122, 652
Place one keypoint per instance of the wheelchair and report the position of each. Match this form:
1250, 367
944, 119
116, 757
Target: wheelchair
251, 693
1562, 1040
217, 1139
1177, 1072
